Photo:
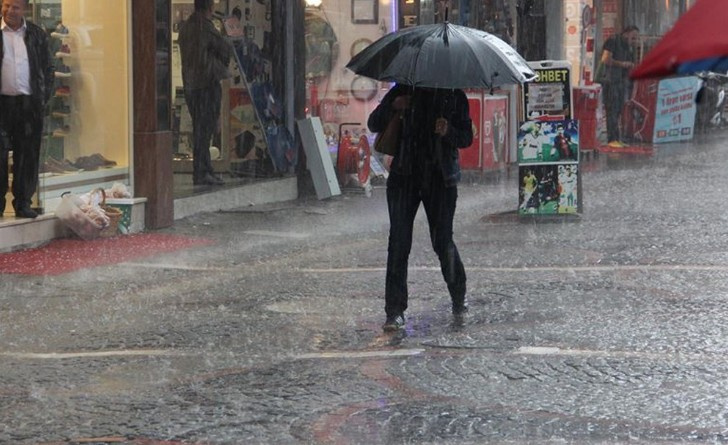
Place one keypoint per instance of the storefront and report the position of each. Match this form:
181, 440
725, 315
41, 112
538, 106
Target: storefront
87, 134
336, 30
117, 114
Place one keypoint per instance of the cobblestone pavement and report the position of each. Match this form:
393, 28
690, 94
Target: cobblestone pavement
608, 329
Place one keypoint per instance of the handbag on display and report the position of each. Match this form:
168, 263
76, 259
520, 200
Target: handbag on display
387, 141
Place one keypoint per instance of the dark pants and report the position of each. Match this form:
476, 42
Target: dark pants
404, 194
204, 106
21, 118
614, 98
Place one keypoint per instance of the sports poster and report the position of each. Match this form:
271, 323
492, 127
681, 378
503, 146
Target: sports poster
548, 189
548, 141
495, 131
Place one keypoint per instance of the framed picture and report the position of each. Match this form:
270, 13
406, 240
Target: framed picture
364, 11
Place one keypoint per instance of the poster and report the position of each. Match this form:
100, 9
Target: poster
495, 131
548, 189
548, 141
675, 109
470, 157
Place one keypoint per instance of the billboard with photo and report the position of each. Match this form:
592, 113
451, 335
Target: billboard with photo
548, 189
548, 141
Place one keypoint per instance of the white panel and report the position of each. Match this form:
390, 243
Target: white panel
318, 158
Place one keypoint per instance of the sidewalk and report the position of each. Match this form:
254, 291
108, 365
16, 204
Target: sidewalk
606, 330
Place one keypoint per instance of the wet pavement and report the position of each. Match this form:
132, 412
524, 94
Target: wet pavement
605, 329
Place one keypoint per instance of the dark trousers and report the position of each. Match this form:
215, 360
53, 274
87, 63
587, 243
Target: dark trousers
21, 118
614, 98
204, 106
404, 195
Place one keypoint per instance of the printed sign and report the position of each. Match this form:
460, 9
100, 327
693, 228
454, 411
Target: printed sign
675, 109
550, 93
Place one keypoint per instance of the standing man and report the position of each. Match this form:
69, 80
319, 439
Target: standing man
617, 60
26, 82
205, 57
425, 169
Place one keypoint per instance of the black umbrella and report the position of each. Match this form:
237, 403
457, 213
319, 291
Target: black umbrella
442, 55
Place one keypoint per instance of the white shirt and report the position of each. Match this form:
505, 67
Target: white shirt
15, 66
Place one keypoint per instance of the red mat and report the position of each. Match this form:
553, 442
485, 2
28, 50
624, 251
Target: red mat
66, 255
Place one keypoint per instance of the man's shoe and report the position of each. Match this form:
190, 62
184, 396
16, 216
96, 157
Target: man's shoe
208, 179
393, 323
616, 144
460, 309
25, 212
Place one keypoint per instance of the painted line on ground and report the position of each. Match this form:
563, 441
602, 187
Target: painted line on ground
556, 351
361, 354
617, 268
179, 267
92, 354
568, 269
296, 235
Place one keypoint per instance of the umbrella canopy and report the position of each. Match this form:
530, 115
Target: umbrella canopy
442, 55
698, 41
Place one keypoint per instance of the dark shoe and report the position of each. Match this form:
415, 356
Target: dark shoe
2, 207
208, 179
460, 309
25, 212
393, 323
102, 161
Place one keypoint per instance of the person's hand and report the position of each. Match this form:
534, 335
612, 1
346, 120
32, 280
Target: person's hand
441, 126
401, 102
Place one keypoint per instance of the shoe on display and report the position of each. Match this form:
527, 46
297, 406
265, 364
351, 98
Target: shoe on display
63, 91
86, 163
60, 32
63, 51
63, 165
63, 71
102, 160
61, 110
208, 179
616, 144
393, 323
49, 166
62, 131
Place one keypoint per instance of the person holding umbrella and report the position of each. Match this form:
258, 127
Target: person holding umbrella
430, 66
425, 169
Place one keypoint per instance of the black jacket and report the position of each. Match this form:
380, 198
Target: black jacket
205, 53
420, 145
39, 59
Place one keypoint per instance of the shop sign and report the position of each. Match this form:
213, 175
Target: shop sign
675, 109
550, 94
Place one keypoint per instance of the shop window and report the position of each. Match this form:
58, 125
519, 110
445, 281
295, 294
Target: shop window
86, 139
251, 141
